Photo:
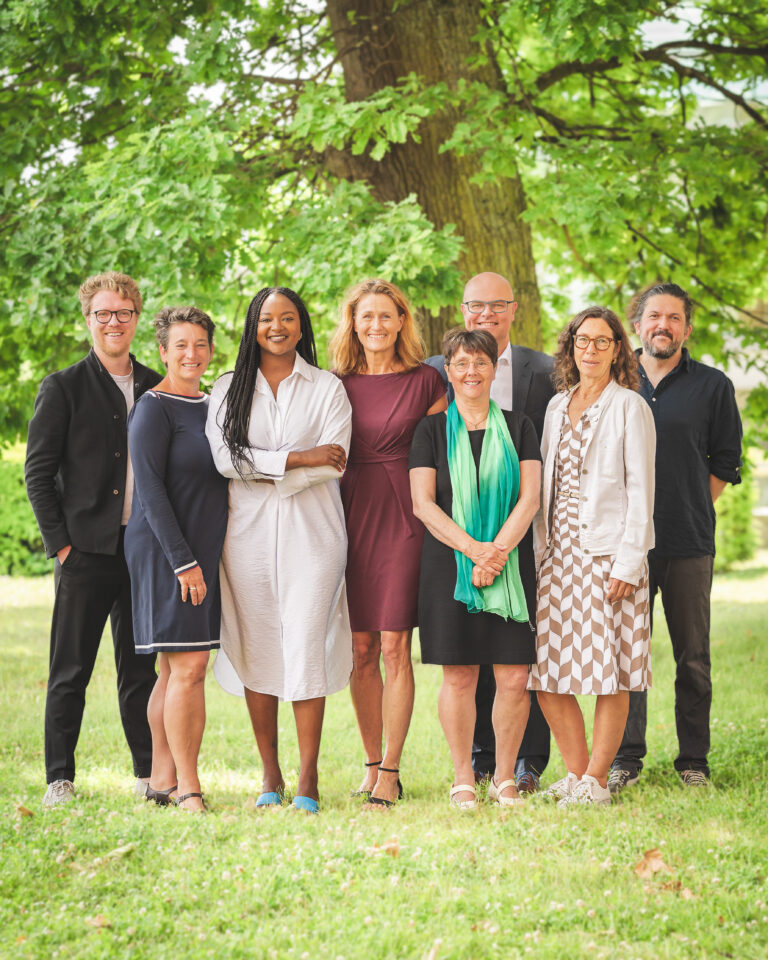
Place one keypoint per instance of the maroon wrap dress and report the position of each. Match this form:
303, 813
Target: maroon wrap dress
384, 536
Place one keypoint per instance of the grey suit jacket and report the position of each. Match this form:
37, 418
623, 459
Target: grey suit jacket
532, 387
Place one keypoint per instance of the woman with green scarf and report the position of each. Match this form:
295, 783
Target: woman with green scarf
475, 482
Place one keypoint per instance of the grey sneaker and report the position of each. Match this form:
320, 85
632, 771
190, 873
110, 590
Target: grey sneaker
58, 792
588, 792
621, 777
695, 778
562, 788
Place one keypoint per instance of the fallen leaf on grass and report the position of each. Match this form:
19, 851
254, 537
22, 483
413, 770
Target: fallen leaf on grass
119, 852
432, 955
23, 811
675, 886
651, 863
99, 921
392, 848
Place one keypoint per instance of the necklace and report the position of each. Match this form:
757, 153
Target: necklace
477, 425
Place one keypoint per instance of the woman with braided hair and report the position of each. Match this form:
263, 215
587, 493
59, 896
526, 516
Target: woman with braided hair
279, 429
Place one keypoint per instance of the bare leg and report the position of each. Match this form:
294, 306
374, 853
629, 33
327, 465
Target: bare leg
397, 706
566, 722
309, 727
456, 709
262, 708
511, 706
367, 690
610, 719
184, 718
163, 767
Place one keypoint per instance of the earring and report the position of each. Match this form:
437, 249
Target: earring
613, 361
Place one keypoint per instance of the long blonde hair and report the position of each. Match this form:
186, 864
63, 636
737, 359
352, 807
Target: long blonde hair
347, 351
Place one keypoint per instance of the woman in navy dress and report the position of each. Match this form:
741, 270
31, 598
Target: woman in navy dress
172, 545
377, 354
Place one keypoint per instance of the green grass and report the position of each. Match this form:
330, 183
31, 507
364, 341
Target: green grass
111, 877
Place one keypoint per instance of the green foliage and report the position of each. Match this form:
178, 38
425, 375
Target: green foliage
735, 537
21, 546
187, 143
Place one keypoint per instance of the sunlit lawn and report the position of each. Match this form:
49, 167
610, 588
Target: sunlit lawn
109, 876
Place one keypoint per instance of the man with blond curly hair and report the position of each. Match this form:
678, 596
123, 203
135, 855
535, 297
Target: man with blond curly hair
80, 485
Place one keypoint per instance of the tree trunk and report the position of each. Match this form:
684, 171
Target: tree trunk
432, 38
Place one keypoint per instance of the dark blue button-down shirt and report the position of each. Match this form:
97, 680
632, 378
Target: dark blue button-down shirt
698, 433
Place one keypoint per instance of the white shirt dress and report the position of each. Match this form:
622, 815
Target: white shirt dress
285, 627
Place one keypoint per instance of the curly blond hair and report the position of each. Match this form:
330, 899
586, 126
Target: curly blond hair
346, 349
121, 283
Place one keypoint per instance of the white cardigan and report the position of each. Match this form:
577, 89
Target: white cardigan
616, 487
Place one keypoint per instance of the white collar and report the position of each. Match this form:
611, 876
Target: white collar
300, 367
505, 356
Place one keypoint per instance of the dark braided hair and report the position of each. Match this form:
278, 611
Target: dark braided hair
240, 393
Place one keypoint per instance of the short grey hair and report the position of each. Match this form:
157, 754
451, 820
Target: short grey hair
169, 316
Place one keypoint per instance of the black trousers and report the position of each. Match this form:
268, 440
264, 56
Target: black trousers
685, 584
534, 749
89, 588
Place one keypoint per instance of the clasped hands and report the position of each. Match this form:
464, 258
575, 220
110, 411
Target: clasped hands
489, 560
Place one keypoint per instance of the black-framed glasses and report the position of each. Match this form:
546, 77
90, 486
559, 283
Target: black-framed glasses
582, 341
477, 306
104, 316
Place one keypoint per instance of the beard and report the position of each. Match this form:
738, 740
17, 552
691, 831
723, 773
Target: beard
661, 347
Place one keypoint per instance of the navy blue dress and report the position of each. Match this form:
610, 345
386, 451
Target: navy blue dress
178, 519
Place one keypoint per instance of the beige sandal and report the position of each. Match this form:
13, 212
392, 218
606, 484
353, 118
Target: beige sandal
463, 804
495, 794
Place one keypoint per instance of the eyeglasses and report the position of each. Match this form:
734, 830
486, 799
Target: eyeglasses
582, 341
477, 306
104, 316
461, 366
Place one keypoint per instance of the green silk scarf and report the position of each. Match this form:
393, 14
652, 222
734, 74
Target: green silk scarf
483, 516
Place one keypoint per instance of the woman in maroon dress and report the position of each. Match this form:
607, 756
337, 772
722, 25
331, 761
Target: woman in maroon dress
377, 354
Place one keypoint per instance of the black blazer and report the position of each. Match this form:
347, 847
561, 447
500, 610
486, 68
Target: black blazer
532, 386
77, 455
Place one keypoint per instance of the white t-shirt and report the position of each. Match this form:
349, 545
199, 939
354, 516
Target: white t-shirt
125, 383
501, 388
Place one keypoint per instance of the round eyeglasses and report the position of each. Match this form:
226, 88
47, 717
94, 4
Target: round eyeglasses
582, 341
104, 316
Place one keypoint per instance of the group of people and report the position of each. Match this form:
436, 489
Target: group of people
303, 522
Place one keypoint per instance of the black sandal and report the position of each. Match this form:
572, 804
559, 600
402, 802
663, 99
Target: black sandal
187, 796
162, 798
380, 801
366, 793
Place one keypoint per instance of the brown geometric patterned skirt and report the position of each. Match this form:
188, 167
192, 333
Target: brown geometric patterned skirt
585, 645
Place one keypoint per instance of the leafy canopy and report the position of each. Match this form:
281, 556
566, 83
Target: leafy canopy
186, 143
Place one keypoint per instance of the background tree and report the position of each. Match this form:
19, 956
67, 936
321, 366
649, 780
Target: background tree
211, 147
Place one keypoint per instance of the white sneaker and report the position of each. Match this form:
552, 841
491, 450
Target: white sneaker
562, 788
587, 791
140, 788
58, 792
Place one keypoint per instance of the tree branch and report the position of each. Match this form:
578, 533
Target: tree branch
705, 286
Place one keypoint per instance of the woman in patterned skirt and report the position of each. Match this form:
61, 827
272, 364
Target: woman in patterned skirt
591, 536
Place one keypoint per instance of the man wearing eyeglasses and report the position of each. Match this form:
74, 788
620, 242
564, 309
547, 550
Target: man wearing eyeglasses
80, 485
523, 382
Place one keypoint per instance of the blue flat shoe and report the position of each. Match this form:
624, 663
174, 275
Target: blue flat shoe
305, 803
270, 799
